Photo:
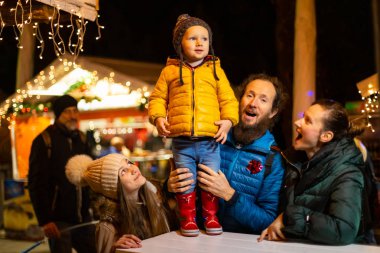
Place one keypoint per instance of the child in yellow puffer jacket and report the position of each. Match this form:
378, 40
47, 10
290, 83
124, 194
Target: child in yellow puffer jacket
194, 104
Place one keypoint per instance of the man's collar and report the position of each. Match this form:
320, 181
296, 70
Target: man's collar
62, 128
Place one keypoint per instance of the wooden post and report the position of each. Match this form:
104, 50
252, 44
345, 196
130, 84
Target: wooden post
376, 32
25, 59
304, 58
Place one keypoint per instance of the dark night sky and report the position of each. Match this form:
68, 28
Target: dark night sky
246, 38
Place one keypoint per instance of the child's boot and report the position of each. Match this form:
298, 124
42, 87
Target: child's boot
186, 206
210, 206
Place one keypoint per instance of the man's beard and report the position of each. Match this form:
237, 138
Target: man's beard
246, 134
71, 125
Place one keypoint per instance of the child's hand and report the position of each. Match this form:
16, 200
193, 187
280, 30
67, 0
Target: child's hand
162, 125
224, 126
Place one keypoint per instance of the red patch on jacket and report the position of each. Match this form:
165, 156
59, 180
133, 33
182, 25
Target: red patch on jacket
254, 166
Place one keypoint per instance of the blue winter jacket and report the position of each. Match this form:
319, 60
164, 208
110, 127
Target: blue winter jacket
255, 205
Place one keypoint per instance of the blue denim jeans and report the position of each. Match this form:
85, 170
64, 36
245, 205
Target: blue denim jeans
188, 153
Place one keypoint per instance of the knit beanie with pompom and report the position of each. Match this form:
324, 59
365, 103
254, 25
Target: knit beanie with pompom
101, 174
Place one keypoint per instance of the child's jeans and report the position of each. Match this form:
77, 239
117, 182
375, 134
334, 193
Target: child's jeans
189, 151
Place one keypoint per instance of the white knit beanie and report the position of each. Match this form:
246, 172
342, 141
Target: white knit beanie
101, 174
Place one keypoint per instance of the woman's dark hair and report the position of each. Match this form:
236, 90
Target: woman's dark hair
337, 120
281, 96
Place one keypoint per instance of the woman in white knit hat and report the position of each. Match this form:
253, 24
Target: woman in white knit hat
130, 208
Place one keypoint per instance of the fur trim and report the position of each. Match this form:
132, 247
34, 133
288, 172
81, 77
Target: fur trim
75, 168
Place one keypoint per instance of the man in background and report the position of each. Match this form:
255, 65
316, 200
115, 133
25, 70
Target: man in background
58, 204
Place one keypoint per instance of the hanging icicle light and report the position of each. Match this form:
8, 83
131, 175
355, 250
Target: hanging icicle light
369, 91
25, 12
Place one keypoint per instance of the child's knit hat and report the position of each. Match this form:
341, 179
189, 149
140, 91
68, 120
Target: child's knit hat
184, 22
101, 174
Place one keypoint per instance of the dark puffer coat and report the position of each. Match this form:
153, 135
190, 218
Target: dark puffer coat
324, 195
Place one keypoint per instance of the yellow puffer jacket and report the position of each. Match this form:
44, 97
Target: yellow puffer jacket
192, 108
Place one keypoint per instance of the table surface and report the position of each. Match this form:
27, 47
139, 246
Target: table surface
237, 243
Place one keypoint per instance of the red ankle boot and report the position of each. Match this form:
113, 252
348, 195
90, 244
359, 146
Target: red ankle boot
186, 206
210, 206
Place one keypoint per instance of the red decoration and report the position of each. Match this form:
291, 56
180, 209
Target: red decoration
254, 166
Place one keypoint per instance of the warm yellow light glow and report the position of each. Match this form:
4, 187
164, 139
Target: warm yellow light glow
63, 84
79, 83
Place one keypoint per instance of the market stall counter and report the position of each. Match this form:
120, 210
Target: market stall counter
174, 242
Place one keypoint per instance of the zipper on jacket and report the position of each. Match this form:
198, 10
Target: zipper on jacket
193, 102
307, 225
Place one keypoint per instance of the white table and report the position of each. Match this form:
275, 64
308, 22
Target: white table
237, 243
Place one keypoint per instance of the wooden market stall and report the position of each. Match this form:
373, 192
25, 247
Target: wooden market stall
111, 103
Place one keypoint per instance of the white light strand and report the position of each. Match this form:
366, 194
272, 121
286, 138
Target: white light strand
20, 26
99, 27
81, 31
40, 40
59, 45
2, 24
71, 34
371, 106
17, 38
29, 20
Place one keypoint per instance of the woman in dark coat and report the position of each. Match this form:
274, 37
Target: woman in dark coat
324, 186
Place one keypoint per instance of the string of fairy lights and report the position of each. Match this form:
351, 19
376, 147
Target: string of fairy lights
17, 105
77, 28
22, 13
371, 105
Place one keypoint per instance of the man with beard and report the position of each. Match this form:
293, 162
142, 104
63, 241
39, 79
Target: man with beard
248, 184
58, 204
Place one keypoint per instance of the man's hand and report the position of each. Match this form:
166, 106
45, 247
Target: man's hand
180, 179
224, 128
128, 241
162, 126
51, 230
273, 232
215, 183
